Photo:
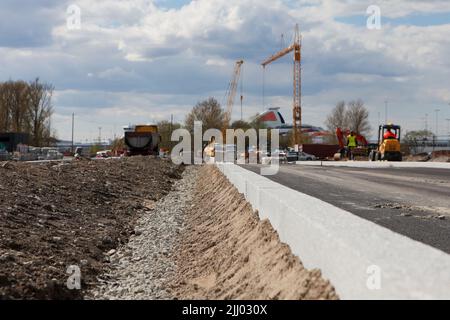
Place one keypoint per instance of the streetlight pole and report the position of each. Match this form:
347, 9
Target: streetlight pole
448, 128
437, 123
73, 126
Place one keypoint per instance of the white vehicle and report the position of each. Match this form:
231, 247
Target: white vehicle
303, 156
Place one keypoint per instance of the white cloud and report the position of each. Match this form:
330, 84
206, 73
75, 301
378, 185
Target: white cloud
129, 52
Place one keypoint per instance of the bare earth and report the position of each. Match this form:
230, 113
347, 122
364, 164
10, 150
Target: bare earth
56, 215
226, 252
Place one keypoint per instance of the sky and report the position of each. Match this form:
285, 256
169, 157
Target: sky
141, 61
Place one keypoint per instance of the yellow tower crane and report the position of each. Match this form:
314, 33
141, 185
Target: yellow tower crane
296, 47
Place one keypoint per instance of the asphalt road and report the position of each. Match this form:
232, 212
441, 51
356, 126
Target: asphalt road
414, 202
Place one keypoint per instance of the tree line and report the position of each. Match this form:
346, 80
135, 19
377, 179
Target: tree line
352, 115
26, 107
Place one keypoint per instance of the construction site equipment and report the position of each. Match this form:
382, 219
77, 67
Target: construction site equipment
388, 148
231, 94
320, 151
210, 149
362, 150
142, 140
296, 47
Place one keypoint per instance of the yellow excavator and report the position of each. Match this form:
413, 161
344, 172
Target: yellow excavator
388, 148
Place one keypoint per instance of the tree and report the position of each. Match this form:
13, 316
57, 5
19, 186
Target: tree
337, 118
209, 112
241, 124
27, 108
165, 129
353, 116
118, 146
40, 111
357, 117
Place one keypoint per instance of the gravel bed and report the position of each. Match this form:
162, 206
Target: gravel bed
141, 269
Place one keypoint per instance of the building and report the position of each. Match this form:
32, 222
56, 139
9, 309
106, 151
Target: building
273, 119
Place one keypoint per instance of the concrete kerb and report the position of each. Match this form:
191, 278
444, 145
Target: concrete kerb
346, 247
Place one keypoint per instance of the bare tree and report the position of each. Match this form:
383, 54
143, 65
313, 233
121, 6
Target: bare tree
165, 129
337, 117
19, 106
27, 108
357, 117
209, 112
40, 111
353, 116
5, 106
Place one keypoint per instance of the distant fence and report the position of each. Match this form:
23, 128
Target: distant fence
425, 146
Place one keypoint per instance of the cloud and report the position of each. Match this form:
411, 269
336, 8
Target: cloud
130, 53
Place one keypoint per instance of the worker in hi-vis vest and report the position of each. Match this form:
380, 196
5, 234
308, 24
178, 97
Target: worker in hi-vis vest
351, 144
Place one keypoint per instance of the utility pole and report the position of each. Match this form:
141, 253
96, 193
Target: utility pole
73, 126
448, 127
99, 135
426, 122
437, 123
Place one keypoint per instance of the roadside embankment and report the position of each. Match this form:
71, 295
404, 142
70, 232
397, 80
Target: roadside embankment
226, 252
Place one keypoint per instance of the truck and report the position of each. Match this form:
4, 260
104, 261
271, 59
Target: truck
142, 140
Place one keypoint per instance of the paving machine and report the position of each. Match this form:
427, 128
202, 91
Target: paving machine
388, 144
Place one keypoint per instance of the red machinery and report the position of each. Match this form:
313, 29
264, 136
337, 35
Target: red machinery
362, 148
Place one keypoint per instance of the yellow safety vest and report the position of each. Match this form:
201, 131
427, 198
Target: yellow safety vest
351, 141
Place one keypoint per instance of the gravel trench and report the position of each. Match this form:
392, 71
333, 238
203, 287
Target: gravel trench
141, 269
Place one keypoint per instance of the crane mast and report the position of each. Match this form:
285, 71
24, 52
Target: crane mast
296, 47
231, 95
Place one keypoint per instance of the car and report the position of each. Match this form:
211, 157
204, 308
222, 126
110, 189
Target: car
303, 156
292, 156
280, 154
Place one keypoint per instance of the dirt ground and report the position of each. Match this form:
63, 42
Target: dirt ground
56, 215
228, 253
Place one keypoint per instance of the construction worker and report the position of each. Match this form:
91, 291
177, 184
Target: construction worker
351, 144
389, 135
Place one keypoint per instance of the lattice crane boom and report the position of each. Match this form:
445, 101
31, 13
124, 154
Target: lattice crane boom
232, 94
296, 47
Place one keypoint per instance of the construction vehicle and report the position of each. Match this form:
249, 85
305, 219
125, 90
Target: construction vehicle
388, 148
362, 150
142, 140
231, 94
296, 47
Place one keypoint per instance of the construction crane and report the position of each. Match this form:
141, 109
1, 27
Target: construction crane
231, 94
296, 47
